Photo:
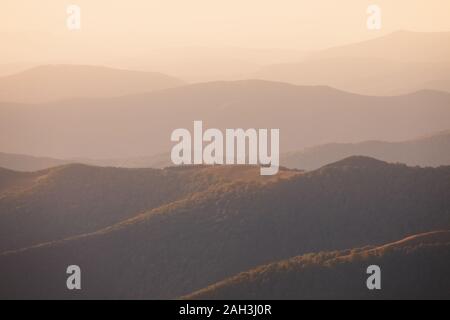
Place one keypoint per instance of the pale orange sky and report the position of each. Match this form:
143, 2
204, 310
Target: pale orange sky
36, 30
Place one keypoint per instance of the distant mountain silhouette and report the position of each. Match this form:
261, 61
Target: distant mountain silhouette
414, 268
19, 162
58, 82
26, 163
201, 64
399, 63
215, 233
12, 68
408, 46
440, 84
124, 127
429, 151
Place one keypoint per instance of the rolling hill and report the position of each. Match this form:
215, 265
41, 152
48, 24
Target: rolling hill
124, 127
428, 151
59, 82
75, 199
188, 244
414, 268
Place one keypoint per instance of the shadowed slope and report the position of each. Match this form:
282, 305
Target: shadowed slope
69, 200
413, 268
209, 236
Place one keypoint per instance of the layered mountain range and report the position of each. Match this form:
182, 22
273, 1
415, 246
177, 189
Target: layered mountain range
207, 225
86, 179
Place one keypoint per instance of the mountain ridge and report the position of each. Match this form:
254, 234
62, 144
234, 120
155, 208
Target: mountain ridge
124, 127
254, 284
426, 151
397, 63
47, 83
239, 225
40, 198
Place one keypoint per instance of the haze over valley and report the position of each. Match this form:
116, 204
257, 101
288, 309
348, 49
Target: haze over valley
91, 94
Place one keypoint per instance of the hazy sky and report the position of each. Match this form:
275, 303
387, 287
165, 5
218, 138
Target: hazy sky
36, 30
